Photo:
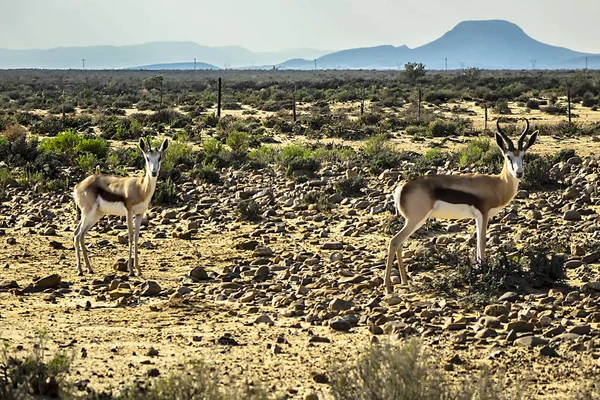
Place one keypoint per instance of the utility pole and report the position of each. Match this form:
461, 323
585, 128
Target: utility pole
569, 101
83, 63
219, 101
586, 63
533, 62
194, 63
315, 63
446, 63
462, 65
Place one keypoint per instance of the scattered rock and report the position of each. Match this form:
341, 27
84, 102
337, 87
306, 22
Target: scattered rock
48, 282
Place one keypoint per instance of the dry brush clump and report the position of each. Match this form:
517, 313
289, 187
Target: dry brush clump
388, 372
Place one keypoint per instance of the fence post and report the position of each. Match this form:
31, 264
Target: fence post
486, 115
219, 101
294, 103
569, 101
419, 104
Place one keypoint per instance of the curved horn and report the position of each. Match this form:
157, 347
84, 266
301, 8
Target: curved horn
511, 145
522, 137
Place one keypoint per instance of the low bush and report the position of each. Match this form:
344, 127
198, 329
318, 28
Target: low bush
388, 372
32, 376
248, 210
295, 157
480, 151
350, 186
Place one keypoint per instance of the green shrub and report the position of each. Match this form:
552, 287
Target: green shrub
87, 162
263, 156
536, 172
350, 186
320, 199
73, 144
210, 120
480, 151
212, 147
296, 157
207, 173
32, 376
378, 154
248, 210
177, 153
165, 193
238, 142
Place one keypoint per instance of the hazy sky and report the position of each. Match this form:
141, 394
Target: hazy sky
265, 25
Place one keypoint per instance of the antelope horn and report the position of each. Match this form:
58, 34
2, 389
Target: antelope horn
522, 137
511, 145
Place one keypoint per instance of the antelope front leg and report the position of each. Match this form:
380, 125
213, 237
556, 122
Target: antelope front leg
130, 237
481, 224
136, 236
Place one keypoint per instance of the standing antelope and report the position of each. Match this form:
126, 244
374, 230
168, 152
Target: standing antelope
456, 197
98, 195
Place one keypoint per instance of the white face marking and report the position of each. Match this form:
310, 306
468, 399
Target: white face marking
153, 159
515, 163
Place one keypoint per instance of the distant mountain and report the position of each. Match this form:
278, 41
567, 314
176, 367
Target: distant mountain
493, 44
178, 66
116, 57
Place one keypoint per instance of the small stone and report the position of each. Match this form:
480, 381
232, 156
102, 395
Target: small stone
152, 352
8, 284
509, 296
247, 245
591, 258
392, 300
332, 246
150, 288
572, 215
120, 293
566, 337
339, 324
580, 329
530, 341
520, 326
340, 305
153, 372
264, 319
48, 282
320, 378
198, 273
548, 351
496, 310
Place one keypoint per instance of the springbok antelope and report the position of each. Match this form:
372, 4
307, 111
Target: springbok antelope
456, 197
98, 195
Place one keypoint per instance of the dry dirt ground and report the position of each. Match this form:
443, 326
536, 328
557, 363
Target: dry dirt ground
111, 340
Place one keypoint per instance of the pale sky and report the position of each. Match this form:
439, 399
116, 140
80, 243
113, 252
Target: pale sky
269, 25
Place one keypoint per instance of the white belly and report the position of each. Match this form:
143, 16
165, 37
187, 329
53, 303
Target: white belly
444, 210
118, 208
112, 208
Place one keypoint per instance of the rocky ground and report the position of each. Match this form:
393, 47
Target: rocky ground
275, 301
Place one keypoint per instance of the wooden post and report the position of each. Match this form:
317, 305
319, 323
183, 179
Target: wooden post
569, 101
161, 94
362, 102
63, 109
294, 103
486, 115
219, 101
419, 104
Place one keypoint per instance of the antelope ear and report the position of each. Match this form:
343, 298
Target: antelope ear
142, 145
500, 142
532, 140
164, 145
